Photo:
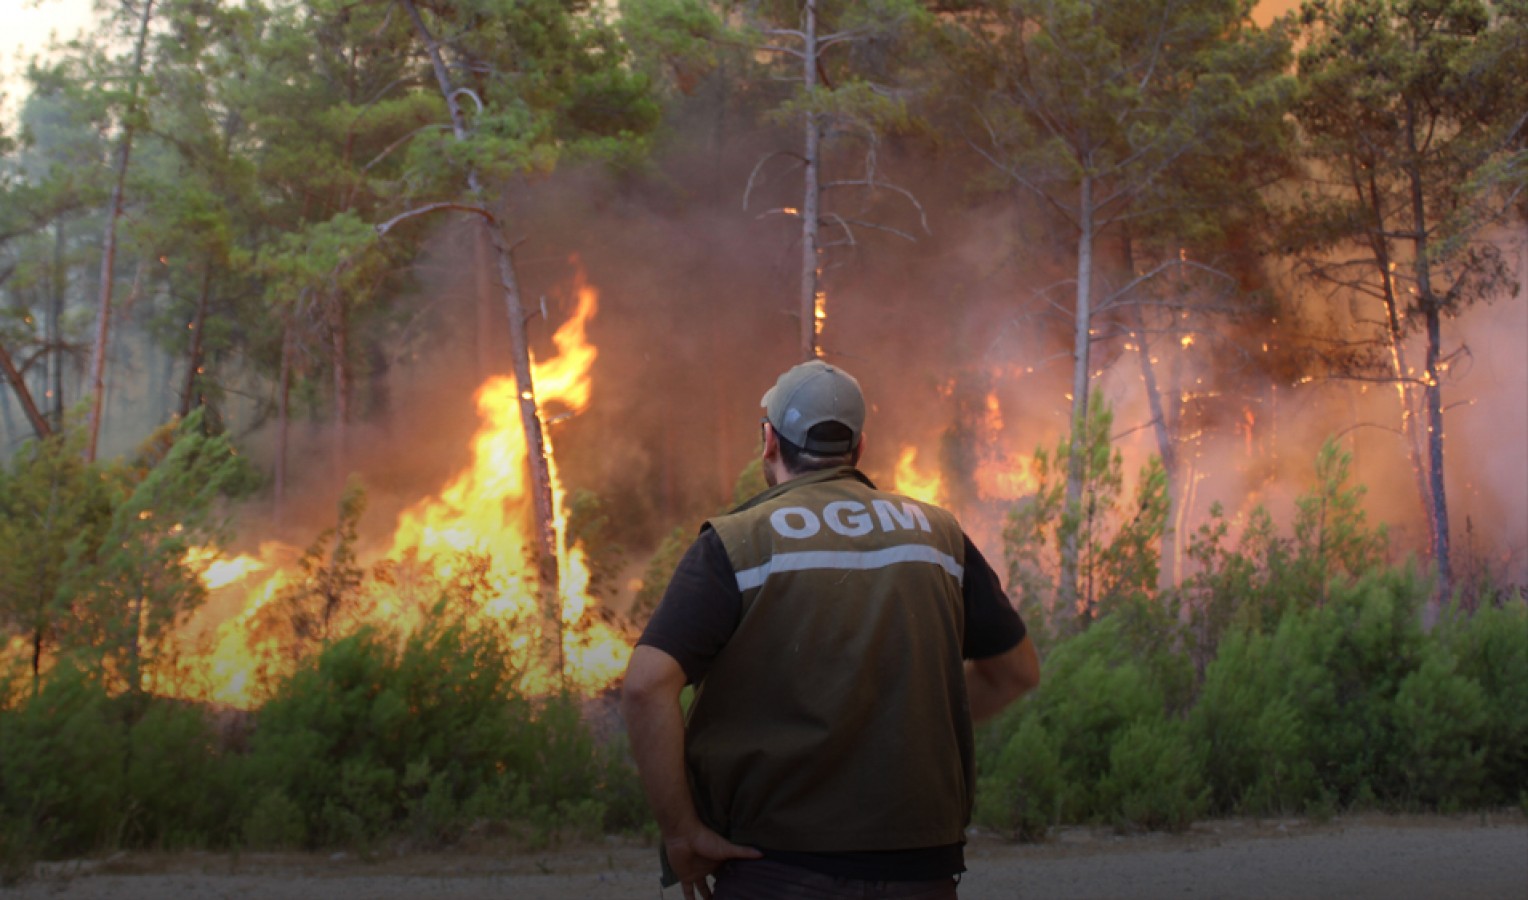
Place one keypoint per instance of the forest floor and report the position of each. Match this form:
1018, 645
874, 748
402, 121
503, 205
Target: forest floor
1359, 856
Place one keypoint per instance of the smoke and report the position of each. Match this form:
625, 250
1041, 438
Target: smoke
697, 317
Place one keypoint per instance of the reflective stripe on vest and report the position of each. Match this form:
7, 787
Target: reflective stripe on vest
857, 560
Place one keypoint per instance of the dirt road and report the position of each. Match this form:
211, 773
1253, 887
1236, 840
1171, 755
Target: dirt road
1352, 857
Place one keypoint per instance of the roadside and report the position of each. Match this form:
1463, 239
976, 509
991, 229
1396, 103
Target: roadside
1368, 856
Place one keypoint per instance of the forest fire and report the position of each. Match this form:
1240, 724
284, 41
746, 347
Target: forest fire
999, 473
474, 530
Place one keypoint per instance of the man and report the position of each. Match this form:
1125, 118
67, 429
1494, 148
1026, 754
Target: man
828, 751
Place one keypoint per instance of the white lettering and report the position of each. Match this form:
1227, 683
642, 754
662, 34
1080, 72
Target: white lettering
781, 517
847, 517
892, 519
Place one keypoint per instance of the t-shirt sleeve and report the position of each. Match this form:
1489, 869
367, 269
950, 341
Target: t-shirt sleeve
700, 609
993, 626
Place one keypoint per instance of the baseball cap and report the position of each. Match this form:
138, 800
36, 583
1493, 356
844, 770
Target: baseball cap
810, 394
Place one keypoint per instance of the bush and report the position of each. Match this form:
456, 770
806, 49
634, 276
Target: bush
1490, 649
1025, 789
62, 766
1156, 776
275, 823
1251, 725
423, 736
179, 786
1439, 718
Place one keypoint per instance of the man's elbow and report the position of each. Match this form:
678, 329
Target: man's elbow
1021, 672
1027, 673
637, 695
652, 680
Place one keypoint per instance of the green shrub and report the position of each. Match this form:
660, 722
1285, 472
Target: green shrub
1440, 717
275, 823
1491, 649
178, 789
63, 760
1250, 725
1156, 776
1024, 791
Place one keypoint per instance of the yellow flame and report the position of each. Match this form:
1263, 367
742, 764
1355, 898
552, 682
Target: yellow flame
912, 482
482, 509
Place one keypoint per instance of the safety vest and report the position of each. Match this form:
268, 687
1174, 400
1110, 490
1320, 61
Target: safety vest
836, 718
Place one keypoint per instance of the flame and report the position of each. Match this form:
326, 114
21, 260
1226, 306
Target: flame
1008, 479
481, 510
819, 315
908, 480
218, 572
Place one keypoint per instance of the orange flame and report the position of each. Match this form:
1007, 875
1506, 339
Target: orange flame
481, 510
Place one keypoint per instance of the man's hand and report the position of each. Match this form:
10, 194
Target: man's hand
695, 855
650, 704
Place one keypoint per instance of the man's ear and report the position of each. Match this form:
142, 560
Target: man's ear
859, 448
771, 443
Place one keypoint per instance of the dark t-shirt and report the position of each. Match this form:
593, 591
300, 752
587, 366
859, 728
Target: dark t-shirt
702, 608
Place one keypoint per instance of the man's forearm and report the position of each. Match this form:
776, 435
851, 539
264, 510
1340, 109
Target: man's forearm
655, 726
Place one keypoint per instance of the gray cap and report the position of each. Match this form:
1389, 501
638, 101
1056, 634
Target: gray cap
810, 394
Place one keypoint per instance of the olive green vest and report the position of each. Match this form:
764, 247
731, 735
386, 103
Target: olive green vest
836, 718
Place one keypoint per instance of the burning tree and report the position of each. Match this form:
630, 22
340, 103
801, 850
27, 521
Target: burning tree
1415, 116
1101, 111
544, 79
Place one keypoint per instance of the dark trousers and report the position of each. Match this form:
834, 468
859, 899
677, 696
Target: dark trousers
761, 879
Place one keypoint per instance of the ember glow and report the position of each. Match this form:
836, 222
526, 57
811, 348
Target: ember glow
481, 516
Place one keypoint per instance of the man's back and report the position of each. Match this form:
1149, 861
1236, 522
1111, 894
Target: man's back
843, 677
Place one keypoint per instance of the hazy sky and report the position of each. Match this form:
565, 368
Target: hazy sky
25, 26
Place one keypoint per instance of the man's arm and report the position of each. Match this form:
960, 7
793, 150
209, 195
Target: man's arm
996, 681
655, 725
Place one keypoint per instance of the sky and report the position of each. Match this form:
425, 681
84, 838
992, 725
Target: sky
26, 26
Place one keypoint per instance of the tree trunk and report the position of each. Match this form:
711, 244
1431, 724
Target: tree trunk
1397, 351
485, 268
339, 336
1433, 392
530, 415
24, 395
1165, 428
189, 398
56, 329
109, 243
1072, 515
283, 419
811, 305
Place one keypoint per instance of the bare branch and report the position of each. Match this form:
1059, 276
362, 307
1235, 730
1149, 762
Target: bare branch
428, 208
748, 190
471, 93
887, 228
386, 151
873, 184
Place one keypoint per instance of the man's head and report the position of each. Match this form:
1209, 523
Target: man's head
816, 418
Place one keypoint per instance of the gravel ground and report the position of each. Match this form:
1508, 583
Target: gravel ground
1351, 857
